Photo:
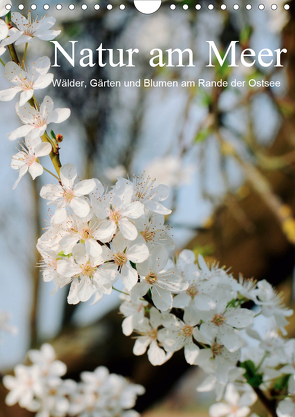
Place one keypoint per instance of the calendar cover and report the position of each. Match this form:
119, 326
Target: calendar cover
147, 222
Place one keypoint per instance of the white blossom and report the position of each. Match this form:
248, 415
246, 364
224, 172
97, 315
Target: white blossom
88, 274
272, 305
68, 195
223, 323
28, 159
35, 122
178, 334
133, 312
236, 405
123, 252
148, 330
118, 212
26, 82
31, 29
142, 189
161, 277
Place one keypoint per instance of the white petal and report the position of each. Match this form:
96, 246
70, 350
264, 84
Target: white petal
128, 276
58, 115
3, 29
128, 229
230, 339
239, 318
3, 10
133, 210
159, 258
73, 297
93, 248
191, 352
9, 94
25, 96
219, 409
161, 298
84, 187
156, 355
35, 170
231, 395
12, 70
141, 345
157, 207
21, 173
191, 317
43, 81
20, 132
80, 207
51, 192
46, 105
85, 289
68, 174
209, 331
43, 149
139, 290
181, 300
162, 192
67, 269
137, 253
127, 326
204, 303
106, 230
68, 242
42, 65
207, 384
60, 214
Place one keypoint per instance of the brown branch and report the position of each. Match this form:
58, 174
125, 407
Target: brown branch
270, 405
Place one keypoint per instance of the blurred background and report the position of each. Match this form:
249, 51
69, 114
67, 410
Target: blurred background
227, 154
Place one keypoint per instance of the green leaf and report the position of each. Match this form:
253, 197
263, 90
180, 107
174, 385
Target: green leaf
61, 254
202, 135
253, 378
231, 303
52, 134
245, 34
133, 265
281, 383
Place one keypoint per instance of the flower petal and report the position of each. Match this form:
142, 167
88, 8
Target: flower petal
68, 174
80, 207
20, 132
84, 187
58, 115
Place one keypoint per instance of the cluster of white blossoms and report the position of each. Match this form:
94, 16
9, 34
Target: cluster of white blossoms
98, 236
39, 388
211, 321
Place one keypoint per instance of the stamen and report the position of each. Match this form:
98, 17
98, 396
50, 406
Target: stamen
218, 319
120, 258
151, 278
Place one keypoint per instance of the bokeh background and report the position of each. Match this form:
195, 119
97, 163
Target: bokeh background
227, 154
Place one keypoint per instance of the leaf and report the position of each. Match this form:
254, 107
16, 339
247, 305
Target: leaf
133, 265
281, 383
61, 254
253, 378
202, 135
52, 134
245, 34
